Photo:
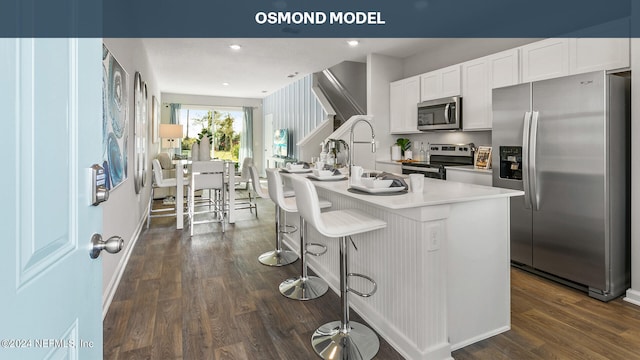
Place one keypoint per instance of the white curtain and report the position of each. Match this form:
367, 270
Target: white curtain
246, 137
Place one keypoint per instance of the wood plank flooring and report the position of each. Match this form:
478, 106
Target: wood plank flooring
207, 297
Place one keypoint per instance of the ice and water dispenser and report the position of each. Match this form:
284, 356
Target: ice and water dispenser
511, 162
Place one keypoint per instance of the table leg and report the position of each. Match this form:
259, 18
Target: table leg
179, 196
232, 193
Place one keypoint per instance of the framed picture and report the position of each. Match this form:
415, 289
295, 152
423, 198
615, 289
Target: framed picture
483, 157
155, 119
115, 119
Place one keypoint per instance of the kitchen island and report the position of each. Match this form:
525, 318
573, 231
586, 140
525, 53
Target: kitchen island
441, 264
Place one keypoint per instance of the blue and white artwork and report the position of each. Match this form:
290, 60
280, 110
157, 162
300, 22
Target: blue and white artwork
115, 105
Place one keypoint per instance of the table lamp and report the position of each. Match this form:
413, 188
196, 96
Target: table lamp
171, 134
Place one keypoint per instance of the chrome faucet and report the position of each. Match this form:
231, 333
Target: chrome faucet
351, 142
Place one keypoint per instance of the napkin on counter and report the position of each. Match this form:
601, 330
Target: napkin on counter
398, 181
305, 165
336, 172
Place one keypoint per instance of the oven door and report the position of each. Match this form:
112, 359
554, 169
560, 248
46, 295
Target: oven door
441, 114
430, 172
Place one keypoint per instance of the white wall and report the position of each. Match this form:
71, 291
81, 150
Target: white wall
381, 70
633, 294
125, 210
221, 101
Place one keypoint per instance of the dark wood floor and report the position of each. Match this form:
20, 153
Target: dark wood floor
207, 297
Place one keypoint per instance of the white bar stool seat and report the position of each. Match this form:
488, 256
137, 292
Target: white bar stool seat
279, 256
303, 287
339, 339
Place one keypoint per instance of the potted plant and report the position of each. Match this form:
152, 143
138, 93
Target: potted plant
404, 143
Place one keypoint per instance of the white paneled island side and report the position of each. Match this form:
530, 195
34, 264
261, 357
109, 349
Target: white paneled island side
441, 264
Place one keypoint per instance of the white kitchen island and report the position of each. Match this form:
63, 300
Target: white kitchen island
441, 264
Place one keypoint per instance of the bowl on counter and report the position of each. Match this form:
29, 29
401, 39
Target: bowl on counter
376, 183
322, 173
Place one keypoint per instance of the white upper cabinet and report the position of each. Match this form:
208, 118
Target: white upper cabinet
479, 77
545, 59
403, 106
593, 54
440, 83
504, 68
476, 100
553, 58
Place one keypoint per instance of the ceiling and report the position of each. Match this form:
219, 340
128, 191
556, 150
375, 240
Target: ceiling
261, 66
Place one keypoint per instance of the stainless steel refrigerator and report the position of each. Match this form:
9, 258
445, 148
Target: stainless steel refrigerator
565, 143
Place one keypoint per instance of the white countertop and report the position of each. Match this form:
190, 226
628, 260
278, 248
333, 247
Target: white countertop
436, 192
393, 162
469, 168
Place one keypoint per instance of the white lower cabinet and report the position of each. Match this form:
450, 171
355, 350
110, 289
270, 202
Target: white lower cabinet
470, 176
389, 166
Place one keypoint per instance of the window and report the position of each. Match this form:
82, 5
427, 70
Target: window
223, 124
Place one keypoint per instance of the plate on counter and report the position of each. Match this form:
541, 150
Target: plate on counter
296, 171
369, 190
328, 178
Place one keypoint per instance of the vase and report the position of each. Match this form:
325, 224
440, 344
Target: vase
205, 149
195, 151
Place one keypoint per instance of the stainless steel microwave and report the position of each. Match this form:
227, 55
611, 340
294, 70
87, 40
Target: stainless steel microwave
440, 114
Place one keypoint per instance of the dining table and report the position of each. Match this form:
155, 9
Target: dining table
229, 178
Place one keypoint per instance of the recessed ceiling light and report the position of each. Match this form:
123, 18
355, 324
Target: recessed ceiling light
353, 42
235, 47
225, 83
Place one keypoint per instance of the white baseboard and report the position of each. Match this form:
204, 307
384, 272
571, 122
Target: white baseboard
633, 296
107, 296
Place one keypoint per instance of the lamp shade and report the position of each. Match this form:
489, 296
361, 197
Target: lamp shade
170, 131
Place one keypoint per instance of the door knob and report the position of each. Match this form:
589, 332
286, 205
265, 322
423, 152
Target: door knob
113, 245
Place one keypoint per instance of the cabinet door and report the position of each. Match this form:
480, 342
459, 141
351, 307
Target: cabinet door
403, 102
545, 59
411, 99
476, 100
593, 54
504, 69
450, 78
430, 86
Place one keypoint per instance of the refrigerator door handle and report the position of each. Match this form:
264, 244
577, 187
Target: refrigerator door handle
535, 196
525, 159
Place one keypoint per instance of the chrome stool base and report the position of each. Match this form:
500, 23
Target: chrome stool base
309, 288
278, 258
360, 342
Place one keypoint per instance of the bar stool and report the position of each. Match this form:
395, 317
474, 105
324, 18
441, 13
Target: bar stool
207, 175
303, 287
279, 256
339, 339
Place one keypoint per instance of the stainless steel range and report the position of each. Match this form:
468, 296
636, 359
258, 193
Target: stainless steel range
441, 155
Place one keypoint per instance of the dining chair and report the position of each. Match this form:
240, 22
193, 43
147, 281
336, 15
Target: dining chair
159, 182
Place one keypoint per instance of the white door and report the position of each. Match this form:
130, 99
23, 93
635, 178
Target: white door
50, 95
